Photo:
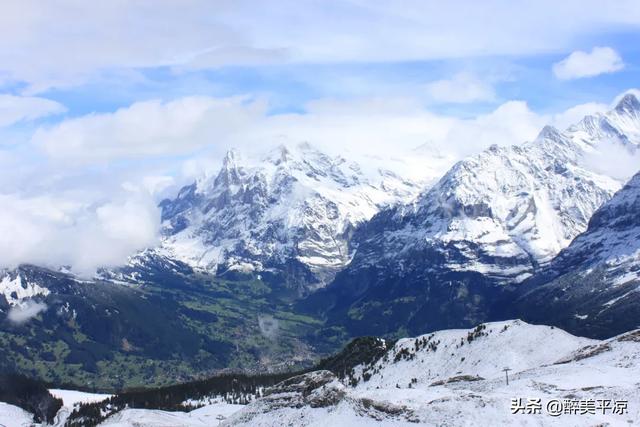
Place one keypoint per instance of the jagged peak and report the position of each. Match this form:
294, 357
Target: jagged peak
230, 159
550, 132
230, 171
281, 154
293, 155
628, 104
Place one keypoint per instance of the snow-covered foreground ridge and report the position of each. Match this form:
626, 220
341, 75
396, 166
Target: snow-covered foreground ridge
448, 378
456, 377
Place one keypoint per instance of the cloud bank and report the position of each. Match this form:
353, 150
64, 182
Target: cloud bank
147, 128
56, 231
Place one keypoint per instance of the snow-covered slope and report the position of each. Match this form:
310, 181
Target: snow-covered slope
483, 351
594, 284
447, 379
11, 415
208, 416
295, 204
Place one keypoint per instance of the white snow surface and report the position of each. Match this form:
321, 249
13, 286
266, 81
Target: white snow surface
16, 290
13, 416
513, 344
211, 415
72, 397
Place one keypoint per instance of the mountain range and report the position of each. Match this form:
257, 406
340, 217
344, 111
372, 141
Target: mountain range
456, 256
277, 259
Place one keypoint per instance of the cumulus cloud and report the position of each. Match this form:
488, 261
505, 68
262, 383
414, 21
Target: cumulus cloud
148, 128
54, 231
371, 126
25, 311
511, 123
14, 109
579, 64
574, 114
461, 88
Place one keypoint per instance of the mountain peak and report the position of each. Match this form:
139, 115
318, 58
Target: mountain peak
628, 104
281, 154
550, 132
230, 159
229, 174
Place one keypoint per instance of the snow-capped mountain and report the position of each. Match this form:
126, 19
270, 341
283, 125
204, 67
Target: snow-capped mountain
296, 206
504, 211
594, 284
622, 124
494, 219
522, 203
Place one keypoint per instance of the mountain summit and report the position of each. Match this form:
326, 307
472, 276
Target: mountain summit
294, 209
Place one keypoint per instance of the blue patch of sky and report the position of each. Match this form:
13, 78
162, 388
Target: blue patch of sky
289, 87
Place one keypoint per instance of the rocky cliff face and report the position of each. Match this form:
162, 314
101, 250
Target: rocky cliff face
593, 286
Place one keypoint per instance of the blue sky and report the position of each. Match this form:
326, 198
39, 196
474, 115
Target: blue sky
108, 106
289, 87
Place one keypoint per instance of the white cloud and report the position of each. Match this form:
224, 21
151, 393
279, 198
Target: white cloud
614, 160
573, 115
461, 88
14, 109
155, 129
148, 128
37, 47
26, 311
54, 231
579, 64
511, 123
